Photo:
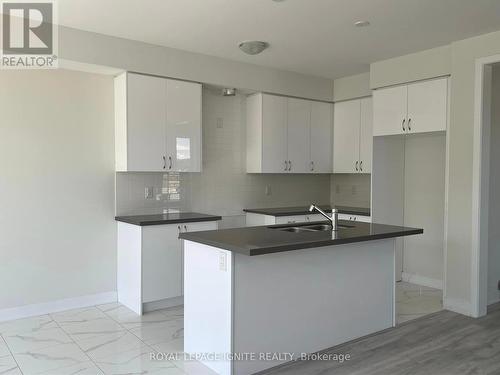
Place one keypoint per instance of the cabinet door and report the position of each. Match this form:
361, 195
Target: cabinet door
161, 262
366, 136
274, 134
321, 137
299, 135
346, 125
183, 126
428, 106
146, 118
389, 110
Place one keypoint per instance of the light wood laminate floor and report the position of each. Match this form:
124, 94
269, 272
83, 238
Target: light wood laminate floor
444, 343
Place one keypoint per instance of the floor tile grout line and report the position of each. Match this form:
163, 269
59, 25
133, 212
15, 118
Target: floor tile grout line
153, 349
11, 354
74, 342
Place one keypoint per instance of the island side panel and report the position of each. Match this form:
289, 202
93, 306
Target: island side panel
308, 300
208, 303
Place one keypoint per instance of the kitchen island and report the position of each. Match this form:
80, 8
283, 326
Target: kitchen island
257, 297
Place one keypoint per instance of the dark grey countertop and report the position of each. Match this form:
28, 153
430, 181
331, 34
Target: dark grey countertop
269, 239
303, 210
171, 218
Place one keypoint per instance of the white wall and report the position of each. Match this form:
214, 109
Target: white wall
91, 48
494, 199
351, 87
58, 235
426, 64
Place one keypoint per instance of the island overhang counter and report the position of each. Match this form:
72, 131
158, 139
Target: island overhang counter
257, 297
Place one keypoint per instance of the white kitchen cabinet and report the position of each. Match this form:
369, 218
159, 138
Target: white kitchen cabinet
352, 139
389, 110
288, 135
140, 122
162, 262
321, 137
150, 263
427, 106
346, 136
419, 107
366, 136
183, 126
157, 124
299, 135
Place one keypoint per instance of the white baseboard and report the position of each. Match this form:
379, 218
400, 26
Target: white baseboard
493, 300
459, 306
162, 304
56, 306
422, 280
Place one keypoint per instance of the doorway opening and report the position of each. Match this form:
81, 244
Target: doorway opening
486, 185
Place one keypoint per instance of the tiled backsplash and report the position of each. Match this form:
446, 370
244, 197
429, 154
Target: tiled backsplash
224, 187
351, 189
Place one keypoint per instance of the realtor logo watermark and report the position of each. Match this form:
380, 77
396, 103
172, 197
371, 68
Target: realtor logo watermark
29, 35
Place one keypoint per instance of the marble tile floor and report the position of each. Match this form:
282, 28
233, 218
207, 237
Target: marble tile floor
107, 339
415, 301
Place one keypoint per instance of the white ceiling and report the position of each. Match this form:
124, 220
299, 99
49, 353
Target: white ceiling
314, 37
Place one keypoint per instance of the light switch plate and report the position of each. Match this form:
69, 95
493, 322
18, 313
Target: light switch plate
222, 261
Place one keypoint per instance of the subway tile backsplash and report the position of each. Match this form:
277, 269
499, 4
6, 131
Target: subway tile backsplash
223, 187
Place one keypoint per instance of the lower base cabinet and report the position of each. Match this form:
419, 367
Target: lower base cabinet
150, 263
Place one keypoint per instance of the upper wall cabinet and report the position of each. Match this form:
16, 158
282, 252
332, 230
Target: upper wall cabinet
419, 107
288, 135
157, 124
353, 140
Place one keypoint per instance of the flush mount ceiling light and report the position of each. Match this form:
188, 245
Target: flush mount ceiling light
228, 91
361, 23
253, 47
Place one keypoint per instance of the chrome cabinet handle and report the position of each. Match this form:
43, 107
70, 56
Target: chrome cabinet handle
164, 162
361, 165
170, 162
409, 124
286, 165
404, 120
357, 163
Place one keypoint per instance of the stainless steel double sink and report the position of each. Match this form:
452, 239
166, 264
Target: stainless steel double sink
310, 228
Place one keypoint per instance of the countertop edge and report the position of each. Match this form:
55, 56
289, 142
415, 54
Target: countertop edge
166, 221
263, 211
299, 246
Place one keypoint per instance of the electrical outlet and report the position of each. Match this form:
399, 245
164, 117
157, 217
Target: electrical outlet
222, 261
268, 190
148, 192
354, 190
220, 122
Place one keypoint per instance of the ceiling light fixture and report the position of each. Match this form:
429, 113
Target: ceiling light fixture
253, 47
361, 23
228, 91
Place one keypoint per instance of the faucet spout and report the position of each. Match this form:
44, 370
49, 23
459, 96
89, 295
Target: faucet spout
332, 219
